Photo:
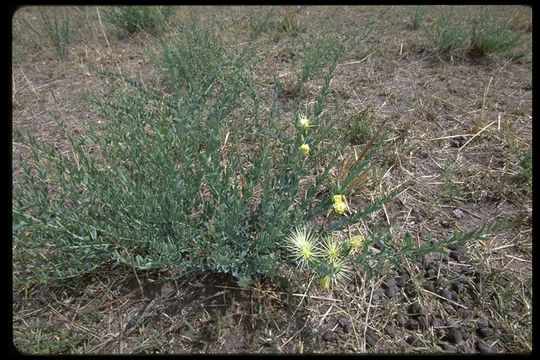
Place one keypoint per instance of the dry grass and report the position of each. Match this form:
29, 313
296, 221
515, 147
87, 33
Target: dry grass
457, 131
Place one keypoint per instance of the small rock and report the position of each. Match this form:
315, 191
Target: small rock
483, 347
454, 335
458, 142
437, 323
402, 280
329, 335
458, 214
401, 320
415, 308
423, 321
456, 255
429, 286
391, 292
377, 295
410, 291
485, 332
390, 330
450, 295
390, 283
445, 224
371, 338
411, 340
412, 324
431, 273
344, 321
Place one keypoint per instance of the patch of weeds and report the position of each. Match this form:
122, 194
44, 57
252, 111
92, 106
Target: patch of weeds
35, 342
490, 37
446, 34
525, 171
54, 30
417, 16
131, 19
289, 23
361, 126
451, 189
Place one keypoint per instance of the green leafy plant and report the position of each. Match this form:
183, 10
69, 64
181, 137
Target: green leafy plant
489, 37
54, 29
170, 183
139, 18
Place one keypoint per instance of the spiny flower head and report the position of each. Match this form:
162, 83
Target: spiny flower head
301, 244
304, 149
331, 248
304, 122
335, 271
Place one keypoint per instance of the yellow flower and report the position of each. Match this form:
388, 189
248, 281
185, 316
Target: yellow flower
304, 149
304, 122
356, 241
339, 207
332, 248
337, 198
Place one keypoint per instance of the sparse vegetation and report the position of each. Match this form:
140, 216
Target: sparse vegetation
271, 180
139, 18
54, 30
417, 16
489, 37
447, 35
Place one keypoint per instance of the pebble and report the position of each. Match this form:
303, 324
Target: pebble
344, 321
412, 324
436, 323
458, 214
482, 323
445, 224
454, 335
423, 321
456, 255
390, 283
415, 308
402, 280
371, 338
429, 286
390, 330
411, 340
485, 332
410, 290
377, 295
391, 292
431, 273
402, 320
329, 335
483, 347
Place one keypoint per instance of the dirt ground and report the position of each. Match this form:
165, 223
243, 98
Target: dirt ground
459, 127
